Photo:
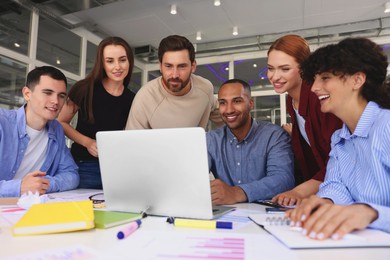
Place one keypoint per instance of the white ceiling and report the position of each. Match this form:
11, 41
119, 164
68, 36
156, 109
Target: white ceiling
144, 22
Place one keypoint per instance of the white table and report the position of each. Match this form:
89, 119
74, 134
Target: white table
101, 240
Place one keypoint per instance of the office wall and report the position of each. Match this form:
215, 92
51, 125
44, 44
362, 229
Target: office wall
32, 41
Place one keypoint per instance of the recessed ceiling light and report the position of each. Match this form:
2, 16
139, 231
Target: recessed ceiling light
173, 9
198, 36
387, 7
235, 30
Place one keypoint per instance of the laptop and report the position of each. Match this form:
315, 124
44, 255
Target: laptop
161, 172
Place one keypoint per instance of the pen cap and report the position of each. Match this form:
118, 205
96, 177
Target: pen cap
226, 225
139, 222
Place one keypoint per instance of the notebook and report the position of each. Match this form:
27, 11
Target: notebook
107, 219
56, 217
161, 171
279, 227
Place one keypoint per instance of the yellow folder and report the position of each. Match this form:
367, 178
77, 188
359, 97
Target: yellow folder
55, 217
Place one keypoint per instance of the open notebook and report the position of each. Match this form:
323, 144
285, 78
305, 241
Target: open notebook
279, 228
160, 171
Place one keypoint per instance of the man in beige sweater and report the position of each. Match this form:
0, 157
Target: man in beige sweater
178, 98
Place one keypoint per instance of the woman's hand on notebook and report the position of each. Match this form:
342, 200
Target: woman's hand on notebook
321, 219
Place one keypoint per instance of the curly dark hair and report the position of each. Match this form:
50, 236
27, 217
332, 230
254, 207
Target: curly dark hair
348, 57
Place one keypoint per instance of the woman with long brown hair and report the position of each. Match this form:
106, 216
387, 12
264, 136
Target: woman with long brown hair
102, 101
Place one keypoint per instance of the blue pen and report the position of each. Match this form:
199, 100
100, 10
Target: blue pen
128, 230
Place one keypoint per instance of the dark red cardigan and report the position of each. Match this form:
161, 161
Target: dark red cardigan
311, 160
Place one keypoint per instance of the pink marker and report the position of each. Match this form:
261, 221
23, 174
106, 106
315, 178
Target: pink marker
127, 231
12, 210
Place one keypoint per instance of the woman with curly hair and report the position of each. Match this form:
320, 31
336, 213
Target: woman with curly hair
350, 82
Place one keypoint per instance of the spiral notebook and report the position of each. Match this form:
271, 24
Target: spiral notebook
278, 226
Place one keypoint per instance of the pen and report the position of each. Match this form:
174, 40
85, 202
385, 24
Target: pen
128, 230
194, 223
11, 210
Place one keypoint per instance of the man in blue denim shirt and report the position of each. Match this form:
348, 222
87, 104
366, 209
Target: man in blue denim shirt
33, 153
250, 159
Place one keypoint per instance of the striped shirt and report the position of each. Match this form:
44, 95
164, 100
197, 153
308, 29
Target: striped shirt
358, 170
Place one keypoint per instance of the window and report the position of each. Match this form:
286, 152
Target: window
12, 80
14, 28
91, 56
136, 80
58, 46
153, 74
217, 73
253, 71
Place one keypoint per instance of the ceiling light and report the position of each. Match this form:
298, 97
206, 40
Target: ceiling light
58, 61
17, 45
235, 30
198, 36
173, 9
387, 7
254, 65
217, 2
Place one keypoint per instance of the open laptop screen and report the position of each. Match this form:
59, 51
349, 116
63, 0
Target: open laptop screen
162, 170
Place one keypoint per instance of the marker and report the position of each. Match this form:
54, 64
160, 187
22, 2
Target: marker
11, 210
128, 230
210, 224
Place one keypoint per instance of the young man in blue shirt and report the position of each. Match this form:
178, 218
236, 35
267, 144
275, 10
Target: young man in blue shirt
251, 160
33, 153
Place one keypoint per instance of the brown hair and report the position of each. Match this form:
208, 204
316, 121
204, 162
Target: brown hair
82, 91
293, 45
34, 76
176, 43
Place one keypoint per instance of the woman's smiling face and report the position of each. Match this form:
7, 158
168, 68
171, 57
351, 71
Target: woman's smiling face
283, 71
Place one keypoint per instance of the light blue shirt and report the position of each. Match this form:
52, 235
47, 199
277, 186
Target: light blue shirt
59, 166
358, 170
262, 164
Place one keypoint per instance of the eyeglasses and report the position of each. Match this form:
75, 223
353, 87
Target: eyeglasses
98, 200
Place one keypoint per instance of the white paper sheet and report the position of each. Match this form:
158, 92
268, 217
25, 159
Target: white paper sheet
199, 245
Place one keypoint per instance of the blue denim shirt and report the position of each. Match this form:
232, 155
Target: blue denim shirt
262, 164
59, 165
